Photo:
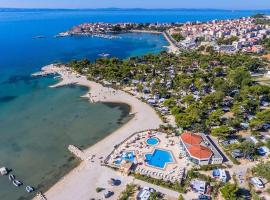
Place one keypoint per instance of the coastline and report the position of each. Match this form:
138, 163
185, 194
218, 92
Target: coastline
172, 48
144, 118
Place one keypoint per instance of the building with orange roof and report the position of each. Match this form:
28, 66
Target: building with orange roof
200, 149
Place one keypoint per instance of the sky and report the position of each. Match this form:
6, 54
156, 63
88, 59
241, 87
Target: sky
216, 4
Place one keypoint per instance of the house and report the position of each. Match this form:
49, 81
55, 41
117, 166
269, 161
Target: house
198, 186
126, 167
229, 49
220, 174
252, 139
257, 49
237, 153
199, 149
145, 193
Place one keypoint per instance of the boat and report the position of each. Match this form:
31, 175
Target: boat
3, 171
39, 37
29, 189
11, 177
17, 183
104, 54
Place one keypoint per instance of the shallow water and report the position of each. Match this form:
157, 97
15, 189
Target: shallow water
37, 127
37, 123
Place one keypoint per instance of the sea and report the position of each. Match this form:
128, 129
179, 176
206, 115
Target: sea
37, 123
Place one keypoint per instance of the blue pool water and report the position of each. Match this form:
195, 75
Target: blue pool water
129, 156
159, 158
37, 123
152, 141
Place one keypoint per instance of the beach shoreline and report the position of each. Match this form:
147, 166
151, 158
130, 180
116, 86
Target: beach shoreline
144, 118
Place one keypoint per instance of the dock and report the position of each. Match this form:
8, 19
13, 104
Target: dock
41, 74
77, 152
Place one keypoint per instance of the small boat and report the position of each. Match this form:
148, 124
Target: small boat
104, 54
29, 189
39, 37
3, 171
17, 183
11, 177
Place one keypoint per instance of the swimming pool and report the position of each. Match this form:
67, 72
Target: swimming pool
129, 156
152, 141
159, 158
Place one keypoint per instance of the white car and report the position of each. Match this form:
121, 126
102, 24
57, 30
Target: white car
257, 182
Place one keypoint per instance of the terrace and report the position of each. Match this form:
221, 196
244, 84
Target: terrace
151, 153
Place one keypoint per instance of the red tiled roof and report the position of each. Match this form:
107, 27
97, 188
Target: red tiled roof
191, 138
200, 152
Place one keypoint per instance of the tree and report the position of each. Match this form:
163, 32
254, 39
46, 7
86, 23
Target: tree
169, 102
262, 170
181, 197
214, 118
221, 132
227, 41
248, 148
229, 191
189, 99
178, 37
259, 15
239, 77
268, 143
260, 119
154, 196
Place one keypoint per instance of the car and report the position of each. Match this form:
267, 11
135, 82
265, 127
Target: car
108, 194
237, 153
266, 126
204, 197
257, 182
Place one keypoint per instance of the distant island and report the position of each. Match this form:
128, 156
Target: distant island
248, 34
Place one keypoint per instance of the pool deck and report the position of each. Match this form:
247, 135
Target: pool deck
173, 171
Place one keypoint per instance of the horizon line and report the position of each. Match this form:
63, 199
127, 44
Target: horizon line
115, 8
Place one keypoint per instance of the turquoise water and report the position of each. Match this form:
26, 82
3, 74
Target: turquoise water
37, 123
159, 158
128, 156
152, 141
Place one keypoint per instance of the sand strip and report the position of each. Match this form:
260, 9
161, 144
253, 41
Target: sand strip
81, 183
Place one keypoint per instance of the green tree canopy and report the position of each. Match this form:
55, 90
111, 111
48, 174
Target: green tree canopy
229, 191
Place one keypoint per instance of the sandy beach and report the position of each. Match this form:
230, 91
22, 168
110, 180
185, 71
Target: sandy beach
81, 182
171, 48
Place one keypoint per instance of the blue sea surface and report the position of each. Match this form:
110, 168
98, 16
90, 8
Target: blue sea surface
37, 123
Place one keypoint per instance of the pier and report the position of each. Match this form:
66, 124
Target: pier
41, 74
77, 152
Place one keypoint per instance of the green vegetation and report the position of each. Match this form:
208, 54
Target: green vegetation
266, 43
261, 118
259, 15
181, 197
229, 191
227, 41
211, 167
167, 184
254, 195
99, 189
262, 170
155, 196
128, 192
203, 88
178, 37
